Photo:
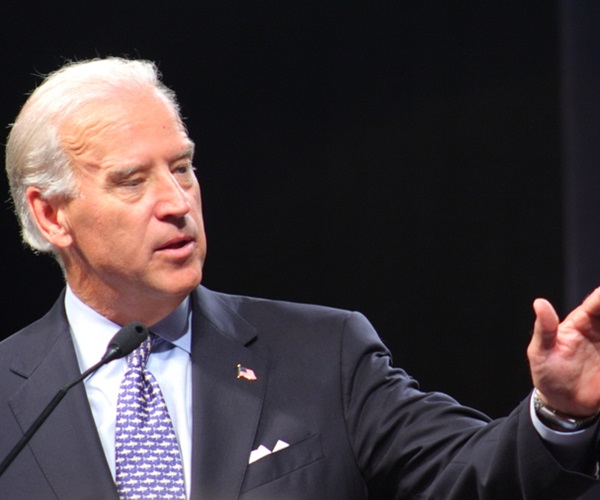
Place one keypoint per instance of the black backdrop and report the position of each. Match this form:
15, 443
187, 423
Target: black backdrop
399, 158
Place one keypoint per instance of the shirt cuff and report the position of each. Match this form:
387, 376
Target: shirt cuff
569, 448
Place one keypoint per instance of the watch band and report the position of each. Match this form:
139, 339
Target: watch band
557, 421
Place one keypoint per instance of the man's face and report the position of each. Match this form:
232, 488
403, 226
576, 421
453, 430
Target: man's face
136, 229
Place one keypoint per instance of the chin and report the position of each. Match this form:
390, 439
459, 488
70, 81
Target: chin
183, 285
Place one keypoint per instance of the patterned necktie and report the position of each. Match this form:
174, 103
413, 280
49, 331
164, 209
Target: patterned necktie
148, 460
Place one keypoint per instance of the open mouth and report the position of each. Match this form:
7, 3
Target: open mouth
174, 245
178, 244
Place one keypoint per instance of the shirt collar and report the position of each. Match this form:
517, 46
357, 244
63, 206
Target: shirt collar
92, 332
175, 328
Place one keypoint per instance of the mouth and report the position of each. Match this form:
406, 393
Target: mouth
176, 244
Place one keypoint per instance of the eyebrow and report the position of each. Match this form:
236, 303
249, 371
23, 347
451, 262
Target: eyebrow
186, 153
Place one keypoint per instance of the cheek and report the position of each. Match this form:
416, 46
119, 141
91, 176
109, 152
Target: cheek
113, 232
197, 206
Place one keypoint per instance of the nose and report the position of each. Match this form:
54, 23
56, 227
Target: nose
172, 199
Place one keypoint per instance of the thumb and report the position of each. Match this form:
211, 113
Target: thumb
546, 324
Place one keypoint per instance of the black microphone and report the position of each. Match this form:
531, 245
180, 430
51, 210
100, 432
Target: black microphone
123, 343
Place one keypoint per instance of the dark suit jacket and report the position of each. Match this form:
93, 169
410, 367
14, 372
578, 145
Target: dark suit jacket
357, 427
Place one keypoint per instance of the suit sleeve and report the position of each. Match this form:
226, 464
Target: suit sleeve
410, 444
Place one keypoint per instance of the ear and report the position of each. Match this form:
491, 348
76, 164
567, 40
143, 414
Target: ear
49, 217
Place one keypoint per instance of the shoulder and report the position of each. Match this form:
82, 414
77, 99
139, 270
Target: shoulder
269, 311
290, 325
37, 337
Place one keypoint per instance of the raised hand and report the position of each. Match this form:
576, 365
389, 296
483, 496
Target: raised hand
564, 357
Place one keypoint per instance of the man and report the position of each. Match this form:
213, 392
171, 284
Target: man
267, 399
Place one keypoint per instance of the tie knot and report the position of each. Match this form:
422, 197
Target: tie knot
140, 355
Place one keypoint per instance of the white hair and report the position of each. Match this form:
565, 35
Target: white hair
34, 152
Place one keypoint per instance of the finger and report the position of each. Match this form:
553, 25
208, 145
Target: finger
546, 324
586, 317
591, 304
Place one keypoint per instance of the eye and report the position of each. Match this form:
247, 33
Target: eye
126, 178
130, 183
183, 169
184, 172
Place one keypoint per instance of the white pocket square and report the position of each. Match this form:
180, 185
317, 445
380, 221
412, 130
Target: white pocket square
262, 451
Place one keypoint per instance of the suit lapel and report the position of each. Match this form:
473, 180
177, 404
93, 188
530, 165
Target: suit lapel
66, 447
226, 409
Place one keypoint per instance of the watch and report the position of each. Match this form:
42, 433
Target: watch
557, 421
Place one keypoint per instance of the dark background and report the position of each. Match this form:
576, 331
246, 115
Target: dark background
404, 159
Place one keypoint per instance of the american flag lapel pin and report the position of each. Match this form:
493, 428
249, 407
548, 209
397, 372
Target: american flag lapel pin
247, 373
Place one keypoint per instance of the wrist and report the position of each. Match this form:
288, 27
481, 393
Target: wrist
559, 421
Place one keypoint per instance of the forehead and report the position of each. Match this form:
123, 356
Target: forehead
124, 122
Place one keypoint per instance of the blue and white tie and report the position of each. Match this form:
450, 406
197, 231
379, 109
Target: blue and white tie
148, 459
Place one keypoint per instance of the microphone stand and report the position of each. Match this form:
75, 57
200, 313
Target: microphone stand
124, 342
43, 416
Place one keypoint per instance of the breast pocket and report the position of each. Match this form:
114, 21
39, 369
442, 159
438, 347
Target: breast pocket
285, 461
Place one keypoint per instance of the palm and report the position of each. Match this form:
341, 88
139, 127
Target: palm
565, 357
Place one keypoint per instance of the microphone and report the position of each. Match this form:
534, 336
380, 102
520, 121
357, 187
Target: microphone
123, 343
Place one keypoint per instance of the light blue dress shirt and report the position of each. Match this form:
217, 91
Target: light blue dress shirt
169, 362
